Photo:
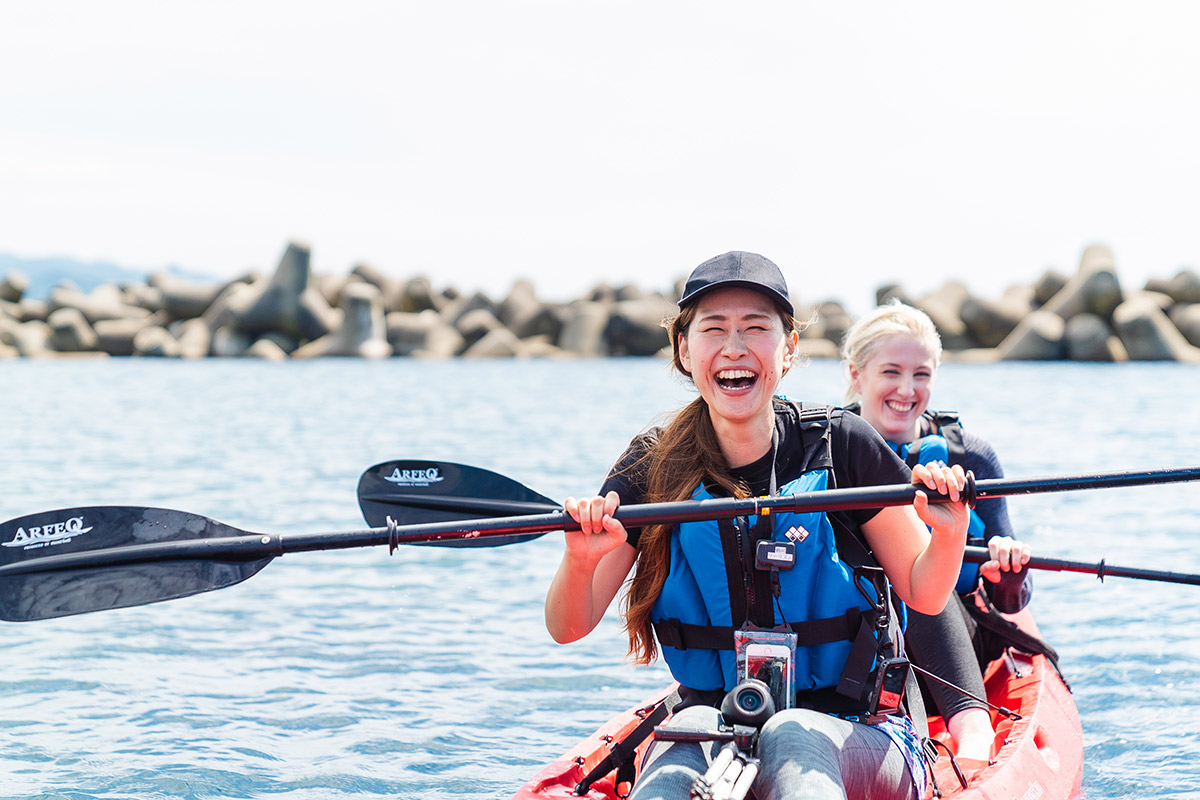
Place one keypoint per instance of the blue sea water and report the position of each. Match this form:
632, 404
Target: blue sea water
428, 673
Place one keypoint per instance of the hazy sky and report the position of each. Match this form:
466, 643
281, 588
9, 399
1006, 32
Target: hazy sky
579, 142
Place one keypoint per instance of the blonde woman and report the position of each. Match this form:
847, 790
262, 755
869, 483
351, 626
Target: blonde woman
892, 356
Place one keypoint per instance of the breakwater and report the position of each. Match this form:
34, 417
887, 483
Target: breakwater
294, 313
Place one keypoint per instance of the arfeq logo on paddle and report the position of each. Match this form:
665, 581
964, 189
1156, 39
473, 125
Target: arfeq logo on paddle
415, 477
42, 535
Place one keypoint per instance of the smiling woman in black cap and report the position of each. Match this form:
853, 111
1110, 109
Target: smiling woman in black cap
718, 614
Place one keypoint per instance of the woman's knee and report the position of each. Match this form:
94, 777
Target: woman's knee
695, 717
807, 723
664, 782
687, 755
803, 736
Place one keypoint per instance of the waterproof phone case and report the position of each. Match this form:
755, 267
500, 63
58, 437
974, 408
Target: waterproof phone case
769, 656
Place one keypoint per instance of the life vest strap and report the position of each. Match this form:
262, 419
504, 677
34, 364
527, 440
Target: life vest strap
684, 636
857, 672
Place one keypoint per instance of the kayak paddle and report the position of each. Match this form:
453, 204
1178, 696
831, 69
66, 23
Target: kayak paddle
433, 498
1101, 569
72, 561
494, 494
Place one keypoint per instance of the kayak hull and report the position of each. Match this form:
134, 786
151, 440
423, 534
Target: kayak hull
1037, 756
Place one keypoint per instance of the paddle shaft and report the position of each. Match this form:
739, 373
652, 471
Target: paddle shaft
251, 547
1101, 569
831, 500
243, 546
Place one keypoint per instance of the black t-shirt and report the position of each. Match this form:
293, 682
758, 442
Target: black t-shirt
860, 458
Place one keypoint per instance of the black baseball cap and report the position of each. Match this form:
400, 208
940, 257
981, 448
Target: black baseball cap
737, 269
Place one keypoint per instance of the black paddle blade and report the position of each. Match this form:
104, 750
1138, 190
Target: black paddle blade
416, 492
36, 584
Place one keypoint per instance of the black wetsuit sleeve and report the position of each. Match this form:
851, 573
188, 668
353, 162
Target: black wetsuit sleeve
1014, 590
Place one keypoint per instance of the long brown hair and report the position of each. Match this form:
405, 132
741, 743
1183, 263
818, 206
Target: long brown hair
687, 454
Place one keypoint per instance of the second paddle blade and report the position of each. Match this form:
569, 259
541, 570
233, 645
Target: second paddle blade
413, 492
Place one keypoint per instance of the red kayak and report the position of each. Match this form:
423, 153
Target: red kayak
1037, 756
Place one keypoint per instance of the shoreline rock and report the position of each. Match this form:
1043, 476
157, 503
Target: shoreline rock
293, 314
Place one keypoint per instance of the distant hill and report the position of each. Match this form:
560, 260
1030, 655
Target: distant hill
46, 273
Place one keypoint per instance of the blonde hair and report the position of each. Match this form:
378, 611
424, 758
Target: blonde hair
893, 319
687, 453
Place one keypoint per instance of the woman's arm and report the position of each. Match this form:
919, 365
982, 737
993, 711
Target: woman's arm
595, 563
923, 563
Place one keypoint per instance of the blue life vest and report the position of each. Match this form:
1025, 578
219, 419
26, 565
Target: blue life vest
712, 574
937, 446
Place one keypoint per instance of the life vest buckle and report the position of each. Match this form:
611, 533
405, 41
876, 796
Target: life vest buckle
670, 633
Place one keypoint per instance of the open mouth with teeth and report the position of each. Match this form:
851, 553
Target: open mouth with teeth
736, 379
900, 408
